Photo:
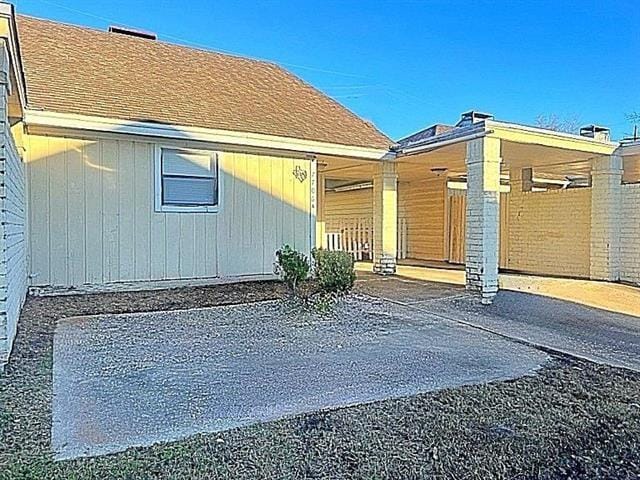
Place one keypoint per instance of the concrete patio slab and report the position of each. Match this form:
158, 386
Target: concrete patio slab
138, 379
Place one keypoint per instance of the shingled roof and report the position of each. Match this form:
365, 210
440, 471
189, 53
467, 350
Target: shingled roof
79, 70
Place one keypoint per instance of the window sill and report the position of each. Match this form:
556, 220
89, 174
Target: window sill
187, 209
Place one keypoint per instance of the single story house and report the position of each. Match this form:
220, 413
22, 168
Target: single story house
128, 162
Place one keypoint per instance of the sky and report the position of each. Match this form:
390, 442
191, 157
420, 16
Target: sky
407, 64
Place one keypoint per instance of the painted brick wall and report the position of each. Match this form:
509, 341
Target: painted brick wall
13, 264
630, 234
13, 271
550, 232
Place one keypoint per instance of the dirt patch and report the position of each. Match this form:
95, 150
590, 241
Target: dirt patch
573, 419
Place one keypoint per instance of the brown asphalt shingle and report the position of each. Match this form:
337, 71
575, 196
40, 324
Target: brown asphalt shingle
72, 69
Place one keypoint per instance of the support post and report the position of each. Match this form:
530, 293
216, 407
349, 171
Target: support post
385, 218
606, 191
321, 228
483, 216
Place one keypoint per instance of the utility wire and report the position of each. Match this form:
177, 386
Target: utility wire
384, 88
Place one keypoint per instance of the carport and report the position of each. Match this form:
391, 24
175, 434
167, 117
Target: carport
489, 195
563, 197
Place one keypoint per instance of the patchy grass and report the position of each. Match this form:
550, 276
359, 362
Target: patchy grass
572, 419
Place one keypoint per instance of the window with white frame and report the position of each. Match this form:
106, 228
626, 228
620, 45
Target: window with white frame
186, 180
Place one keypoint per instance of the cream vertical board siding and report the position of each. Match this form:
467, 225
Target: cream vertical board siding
550, 232
92, 218
630, 234
341, 207
263, 206
13, 268
423, 205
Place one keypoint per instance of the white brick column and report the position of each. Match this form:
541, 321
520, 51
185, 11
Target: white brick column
385, 218
483, 216
606, 198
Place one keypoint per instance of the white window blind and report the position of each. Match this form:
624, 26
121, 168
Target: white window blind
188, 178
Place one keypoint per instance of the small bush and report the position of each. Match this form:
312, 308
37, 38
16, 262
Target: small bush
334, 271
292, 266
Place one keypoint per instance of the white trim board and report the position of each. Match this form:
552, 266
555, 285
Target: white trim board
148, 129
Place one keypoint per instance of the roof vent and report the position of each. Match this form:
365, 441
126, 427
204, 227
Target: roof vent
471, 117
132, 32
598, 133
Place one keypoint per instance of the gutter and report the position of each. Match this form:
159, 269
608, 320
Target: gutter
435, 144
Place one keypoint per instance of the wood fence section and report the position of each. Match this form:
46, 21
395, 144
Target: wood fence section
356, 237
403, 239
457, 228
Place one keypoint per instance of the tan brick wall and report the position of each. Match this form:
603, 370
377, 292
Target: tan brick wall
630, 234
550, 232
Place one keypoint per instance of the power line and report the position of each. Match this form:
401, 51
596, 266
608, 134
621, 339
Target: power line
383, 88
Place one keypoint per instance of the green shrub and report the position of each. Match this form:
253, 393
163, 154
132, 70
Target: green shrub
292, 266
334, 270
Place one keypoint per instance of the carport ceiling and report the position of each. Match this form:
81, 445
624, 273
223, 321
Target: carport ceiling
549, 160
339, 168
421, 165
543, 159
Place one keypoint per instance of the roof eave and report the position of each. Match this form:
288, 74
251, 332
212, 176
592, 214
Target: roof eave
69, 121
7, 11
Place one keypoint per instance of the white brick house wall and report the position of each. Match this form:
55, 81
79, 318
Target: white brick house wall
630, 234
13, 270
13, 265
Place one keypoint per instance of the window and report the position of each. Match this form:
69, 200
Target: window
186, 180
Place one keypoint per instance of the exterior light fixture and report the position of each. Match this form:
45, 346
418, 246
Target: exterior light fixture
438, 171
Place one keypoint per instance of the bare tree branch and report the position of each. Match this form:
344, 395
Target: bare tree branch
558, 124
634, 120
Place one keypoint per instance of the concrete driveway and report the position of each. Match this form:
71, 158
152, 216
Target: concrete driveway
138, 379
592, 333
